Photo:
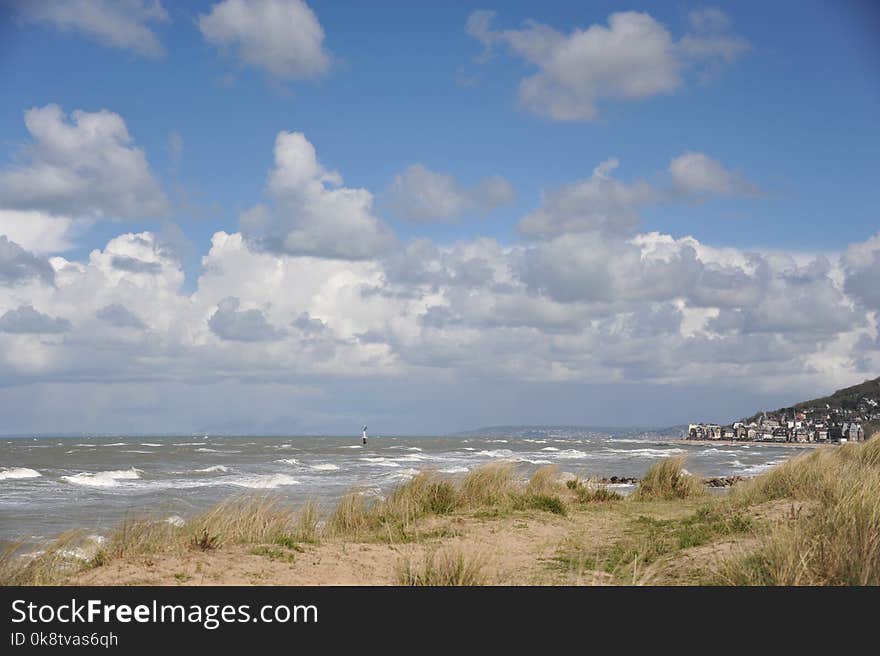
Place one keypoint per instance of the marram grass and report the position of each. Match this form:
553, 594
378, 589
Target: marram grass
668, 479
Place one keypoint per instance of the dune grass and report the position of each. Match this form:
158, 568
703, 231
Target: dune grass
68, 554
487, 485
838, 543
586, 492
667, 479
446, 567
490, 489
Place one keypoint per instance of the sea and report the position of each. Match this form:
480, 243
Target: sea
52, 484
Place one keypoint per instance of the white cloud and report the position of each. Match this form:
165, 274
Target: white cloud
85, 167
116, 314
633, 58
26, 319
696, 174
420, 195
711, 39
314, 214
18, 265
576, 308
862, 265
37, 231
231, 323
120, 24
598, 204
282, 37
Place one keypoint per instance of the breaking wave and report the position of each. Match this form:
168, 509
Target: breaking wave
325, 466
264, 482
104, 478
15, 473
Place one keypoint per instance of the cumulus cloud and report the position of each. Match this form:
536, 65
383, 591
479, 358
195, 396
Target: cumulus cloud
230, 323
134, 265
313, 213
84, 167
421, 195
38, 232
598, 204
25, 319
698, 174
18, 265
862, 265
282, 37
633, 58
573, 308
116, 314
123, 24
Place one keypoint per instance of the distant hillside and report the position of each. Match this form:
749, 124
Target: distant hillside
542, 431
848, 398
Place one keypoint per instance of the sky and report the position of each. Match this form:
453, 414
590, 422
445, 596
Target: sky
274, 216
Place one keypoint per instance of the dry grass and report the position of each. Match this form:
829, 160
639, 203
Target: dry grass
306, 527
69, 553
351, 516
839, 544
545, 481
248, 519
446, 567
668, 480
488, 485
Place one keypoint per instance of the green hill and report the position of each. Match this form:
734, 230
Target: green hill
848, 398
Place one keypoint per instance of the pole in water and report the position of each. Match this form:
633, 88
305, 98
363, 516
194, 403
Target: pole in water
365, 434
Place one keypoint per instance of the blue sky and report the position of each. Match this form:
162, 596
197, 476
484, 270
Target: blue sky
780, 104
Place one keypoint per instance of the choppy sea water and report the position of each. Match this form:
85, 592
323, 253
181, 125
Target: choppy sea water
49, 485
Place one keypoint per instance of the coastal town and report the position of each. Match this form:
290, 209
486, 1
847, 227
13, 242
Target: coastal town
849, 415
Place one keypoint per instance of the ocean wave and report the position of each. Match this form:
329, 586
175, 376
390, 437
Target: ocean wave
549, 448
382, 462
207, 450
647, 453
115, 444
535, 462
213, 468
175, 520
148, 453
16, 473
412, 457
571, 454
496, 441
150, 444
757, 469
535, 441
263, 482
104, 478
404, 474
288, 461
188, 443
325, 466
455, 470
498, 453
